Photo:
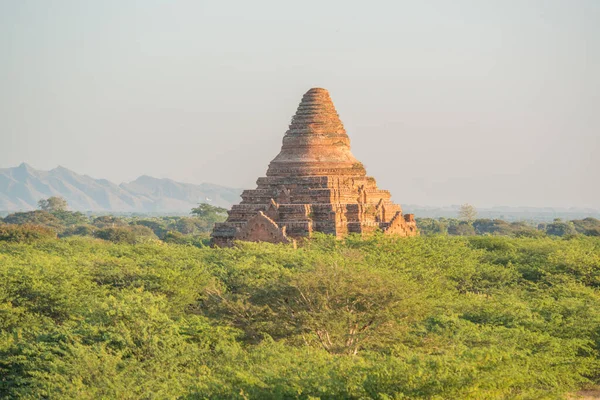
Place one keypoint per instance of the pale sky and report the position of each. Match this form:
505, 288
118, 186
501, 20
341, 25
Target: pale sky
491, 102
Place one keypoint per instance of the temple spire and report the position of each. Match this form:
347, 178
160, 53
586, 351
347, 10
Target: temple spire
316, 115
316, 142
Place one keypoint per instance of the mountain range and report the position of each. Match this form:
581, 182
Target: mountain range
23, 186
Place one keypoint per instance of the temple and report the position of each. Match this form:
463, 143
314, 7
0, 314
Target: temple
313, 185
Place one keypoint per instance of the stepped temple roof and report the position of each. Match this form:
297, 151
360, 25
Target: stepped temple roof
314, 184
315, 142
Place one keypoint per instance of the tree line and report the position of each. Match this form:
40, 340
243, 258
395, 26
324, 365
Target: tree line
53, 219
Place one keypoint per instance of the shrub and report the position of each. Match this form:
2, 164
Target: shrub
495, 227
118, 234
530, 233
69, 218
588, 226
106, 221
43, 218
592, 232
175, 237
158, 227
560, 228
462, 229
142, 232
78, 230
25, 233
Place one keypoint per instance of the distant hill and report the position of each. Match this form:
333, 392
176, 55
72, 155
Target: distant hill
21, 187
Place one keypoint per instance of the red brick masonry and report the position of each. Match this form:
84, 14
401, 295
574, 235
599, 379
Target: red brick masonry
313, 185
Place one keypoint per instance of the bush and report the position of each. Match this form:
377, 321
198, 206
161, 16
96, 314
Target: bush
143, 233
79, 230
70, 218
588, 226
592, 232
175, 237
107, 221
42, 218
463, 228
25, 233
495, 227
157, 226
560, 228
430, 226
529, 233
119, 234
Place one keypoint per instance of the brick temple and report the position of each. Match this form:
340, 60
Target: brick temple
314, 184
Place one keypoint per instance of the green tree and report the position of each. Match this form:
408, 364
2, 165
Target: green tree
495, 227
560, 228
70, 218
430, 226
341, 309
105, 221
118, 234
209, 212
79, 230
588, 226
187, 226
159, 227
463, 228
142, 232
25, 233
54, 203
36, 217
202, 240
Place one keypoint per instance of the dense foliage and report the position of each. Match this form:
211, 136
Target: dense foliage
486, 317
195, 230
191, 230
455, 227
25, 233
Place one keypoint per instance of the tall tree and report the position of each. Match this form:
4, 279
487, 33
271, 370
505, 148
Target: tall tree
209, 213
467, 213
52, 204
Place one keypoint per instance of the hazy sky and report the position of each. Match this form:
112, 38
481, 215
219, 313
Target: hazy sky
489, 102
